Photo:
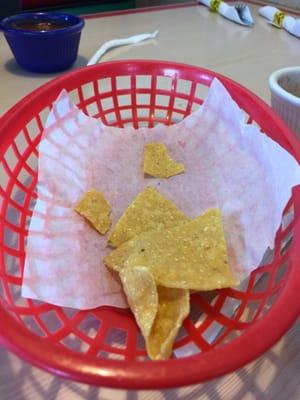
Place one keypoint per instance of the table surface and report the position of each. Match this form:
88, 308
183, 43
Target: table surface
193, 35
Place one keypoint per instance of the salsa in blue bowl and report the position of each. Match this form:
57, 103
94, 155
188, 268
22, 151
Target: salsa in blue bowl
43, 42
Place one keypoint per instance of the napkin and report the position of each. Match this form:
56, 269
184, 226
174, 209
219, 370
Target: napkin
228, 164
281, 20
120, 42
239, 13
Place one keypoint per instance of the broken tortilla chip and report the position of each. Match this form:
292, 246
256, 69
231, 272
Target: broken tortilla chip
158, 163
95, 209
159, 311
149, 210
192, 255
173, 308
140, 289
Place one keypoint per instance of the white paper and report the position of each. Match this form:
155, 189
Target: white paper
229, 164
120, 42
290, 24
242, 17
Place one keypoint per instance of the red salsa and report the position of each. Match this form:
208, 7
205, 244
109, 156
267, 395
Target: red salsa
38, 25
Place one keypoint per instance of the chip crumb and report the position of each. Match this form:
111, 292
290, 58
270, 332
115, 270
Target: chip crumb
95, 209
158, 163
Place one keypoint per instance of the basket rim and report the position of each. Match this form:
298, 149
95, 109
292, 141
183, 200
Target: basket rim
259, 337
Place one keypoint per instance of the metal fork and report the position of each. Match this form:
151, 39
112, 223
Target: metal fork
240, 8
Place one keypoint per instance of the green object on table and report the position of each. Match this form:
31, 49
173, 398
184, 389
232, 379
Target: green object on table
95, 8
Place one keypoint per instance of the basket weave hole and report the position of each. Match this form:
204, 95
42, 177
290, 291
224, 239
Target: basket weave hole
143, 113
143, 81
15, 291
2, 291
285, 243
229, 335
143, 99
32, 324
251, 311
18, 300
123, 82
12, 265
18, 195
51, 321
212, 331
162, 100
161, 115
287, 218
183, 86
107, 103
196, 316
110, 355
229, 306
140, 341
92, 109
163, 83
195, 107
74, 96
176, 117
88, 90
126, 115
261, 282
11, 239
25, 177
32, 162
268, 257
142, 358
180, 104
124, 100
116, 338
27, 221
90, 325
4, 179
111, 119
44, 115
189, 349
11, 159
33, 129
21, 142
104, 85
74, 343
269, 303
281, 273
201, 91
181, 335
69, 312
13, 215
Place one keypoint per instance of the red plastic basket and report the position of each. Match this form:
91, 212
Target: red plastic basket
103, 346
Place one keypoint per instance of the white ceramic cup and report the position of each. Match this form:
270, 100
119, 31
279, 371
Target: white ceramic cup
285, 96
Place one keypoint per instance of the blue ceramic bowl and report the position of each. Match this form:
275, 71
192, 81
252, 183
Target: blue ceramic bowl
43, 42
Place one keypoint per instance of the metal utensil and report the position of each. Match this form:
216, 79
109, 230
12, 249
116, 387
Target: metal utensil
242, 10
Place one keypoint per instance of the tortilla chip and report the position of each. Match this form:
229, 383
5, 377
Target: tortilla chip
159, 318
173, 308
95, 209
159, 311
149, 210
158, 163
140, 289
192, 255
